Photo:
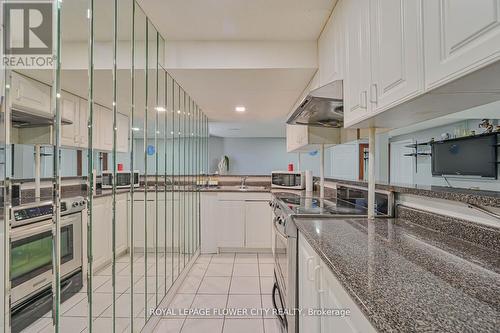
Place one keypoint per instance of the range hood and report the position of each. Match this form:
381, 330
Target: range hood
27, 118
322, 107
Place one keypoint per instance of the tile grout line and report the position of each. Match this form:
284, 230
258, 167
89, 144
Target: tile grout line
196, 293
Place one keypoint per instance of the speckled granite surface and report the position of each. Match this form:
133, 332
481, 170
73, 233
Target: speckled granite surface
407, 278
480, 234
476, 197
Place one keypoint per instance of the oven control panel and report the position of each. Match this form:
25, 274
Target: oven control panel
34, 212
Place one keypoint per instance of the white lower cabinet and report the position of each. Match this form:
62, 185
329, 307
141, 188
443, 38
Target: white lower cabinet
308, 262
231, 225
102, 228
235, 220
320, 289
258, 229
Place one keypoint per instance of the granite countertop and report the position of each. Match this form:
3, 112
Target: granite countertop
470, 196
407, 278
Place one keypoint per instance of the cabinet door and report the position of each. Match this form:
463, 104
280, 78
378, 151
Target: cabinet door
331, 49
101, 231
29, 95
69, 111
121, 223
333, 296
106, 129
397, 57
122, 124
460, 36
96, 127
257, 224
357, 78
308, 263
82, 124
231, 224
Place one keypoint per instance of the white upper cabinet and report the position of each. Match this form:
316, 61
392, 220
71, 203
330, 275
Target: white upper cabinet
29, 95
82, 124
396, 52
69, 111
460, 36
105, 128
122, 125
331, 48
357, 75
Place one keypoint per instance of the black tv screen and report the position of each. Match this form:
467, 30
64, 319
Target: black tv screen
474, 156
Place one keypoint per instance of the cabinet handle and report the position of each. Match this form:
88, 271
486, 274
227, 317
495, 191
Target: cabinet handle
308, 261
374, 96
363, 99
317, 270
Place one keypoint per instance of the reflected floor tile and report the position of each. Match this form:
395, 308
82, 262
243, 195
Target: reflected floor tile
243, 326
190, 285
100, 301
106, 325
122, 283
119, 266
140, 286
202, 325
97, 281
245, 285
68, 324
214, 285
122, 306
38, 325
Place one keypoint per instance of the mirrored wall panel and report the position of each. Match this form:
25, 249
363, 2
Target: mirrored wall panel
102, 155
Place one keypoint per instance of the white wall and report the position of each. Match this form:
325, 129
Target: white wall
260, 156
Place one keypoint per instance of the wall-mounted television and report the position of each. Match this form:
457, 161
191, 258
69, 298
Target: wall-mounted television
469, 156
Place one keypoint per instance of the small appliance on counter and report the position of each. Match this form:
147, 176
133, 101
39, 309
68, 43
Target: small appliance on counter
292, 180
122, 179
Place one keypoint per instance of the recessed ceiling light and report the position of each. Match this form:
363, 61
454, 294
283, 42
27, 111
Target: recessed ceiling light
240, 109
160, 109
135, 129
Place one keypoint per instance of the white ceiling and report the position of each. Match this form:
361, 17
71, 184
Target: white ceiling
239, 19
267, 94
248, 129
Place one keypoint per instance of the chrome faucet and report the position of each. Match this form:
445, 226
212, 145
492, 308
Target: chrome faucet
243, 182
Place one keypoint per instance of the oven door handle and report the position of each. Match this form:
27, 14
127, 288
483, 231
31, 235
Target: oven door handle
29, 230
280, 318
279, 233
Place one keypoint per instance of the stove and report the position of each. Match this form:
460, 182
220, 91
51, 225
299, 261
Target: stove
349, 203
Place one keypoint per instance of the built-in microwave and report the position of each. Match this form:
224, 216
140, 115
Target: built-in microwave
288, 179
123, 179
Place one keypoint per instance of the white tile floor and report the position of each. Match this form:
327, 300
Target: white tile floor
75, 310
224, 281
